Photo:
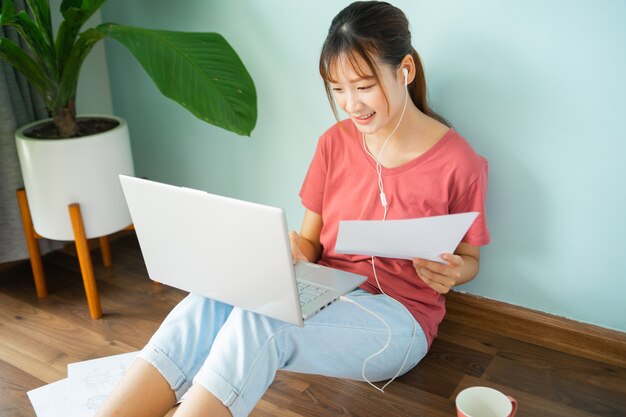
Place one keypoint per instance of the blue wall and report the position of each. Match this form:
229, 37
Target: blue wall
537, 87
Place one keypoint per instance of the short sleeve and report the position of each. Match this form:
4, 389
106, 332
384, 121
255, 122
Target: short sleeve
312, 191
474, 199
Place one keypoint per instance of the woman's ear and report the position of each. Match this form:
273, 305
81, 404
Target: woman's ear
408, 64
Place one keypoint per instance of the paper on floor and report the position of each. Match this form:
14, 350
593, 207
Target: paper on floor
84, 390
50, 400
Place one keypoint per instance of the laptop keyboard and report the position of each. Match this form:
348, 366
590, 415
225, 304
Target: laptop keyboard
309, 292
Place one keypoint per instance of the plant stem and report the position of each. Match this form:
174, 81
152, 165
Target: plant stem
65, 120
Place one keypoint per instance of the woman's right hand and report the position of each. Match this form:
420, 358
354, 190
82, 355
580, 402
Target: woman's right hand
296, 253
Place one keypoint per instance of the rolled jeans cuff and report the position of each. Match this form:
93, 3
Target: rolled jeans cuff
223, 391
178, 381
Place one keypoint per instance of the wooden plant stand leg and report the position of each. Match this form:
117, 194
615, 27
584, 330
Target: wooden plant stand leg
33, 246
105, 249
84, 258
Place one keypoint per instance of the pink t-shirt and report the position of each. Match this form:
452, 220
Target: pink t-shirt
342, 184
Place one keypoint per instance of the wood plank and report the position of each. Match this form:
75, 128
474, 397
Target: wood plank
444, 367
331, 397
30, 356
116, 347
48, 329
14, 383
126, 275
434, 378
565, 366
266, 408
581, 339
24, 343
539, 357
137, 313
467, 335
549, 386
462, 358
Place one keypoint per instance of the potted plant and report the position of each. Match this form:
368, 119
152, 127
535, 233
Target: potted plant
68, 159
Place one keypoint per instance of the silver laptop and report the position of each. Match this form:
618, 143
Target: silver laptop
229, 250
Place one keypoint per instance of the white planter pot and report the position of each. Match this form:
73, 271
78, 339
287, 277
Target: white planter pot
59, 172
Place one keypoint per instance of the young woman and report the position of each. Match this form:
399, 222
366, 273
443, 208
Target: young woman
392, 158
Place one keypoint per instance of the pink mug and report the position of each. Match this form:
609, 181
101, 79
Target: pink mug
484, 402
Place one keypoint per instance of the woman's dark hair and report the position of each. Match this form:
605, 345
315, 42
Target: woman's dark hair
373, 30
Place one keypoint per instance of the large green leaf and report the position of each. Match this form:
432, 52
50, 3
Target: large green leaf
200, 71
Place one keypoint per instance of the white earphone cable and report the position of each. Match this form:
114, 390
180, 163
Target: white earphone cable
384, 203
379, 168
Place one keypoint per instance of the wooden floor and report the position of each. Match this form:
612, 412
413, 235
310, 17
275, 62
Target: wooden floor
39, 337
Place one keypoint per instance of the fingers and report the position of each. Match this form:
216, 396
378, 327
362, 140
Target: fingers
440, 283
453, 260
293, 242
435, 285
440, 277
293, 236
452, 270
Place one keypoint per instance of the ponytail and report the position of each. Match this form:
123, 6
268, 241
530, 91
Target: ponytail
417, 90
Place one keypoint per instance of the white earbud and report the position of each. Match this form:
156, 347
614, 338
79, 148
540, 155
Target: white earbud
406, 76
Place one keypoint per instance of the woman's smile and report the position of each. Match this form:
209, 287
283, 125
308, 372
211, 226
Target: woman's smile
364, 118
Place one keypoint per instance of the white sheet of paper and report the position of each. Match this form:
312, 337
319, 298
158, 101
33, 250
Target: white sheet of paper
90, 382
426, 237
50, 400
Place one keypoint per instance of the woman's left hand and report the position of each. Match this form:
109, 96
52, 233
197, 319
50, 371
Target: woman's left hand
440, 277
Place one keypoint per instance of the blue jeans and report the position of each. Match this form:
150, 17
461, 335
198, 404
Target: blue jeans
235, 354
